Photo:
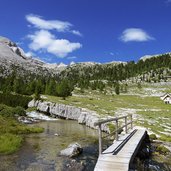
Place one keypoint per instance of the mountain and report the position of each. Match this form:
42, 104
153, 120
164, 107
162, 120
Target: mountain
9, 51
13, 58
116, 62
26, 75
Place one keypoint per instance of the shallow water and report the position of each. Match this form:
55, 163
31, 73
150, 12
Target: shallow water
40, 152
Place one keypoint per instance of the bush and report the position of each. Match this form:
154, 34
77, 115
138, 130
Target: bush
19, 111
2, 106
15, 100
7, 111
10, 111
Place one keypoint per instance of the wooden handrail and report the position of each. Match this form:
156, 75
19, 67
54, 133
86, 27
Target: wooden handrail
110, 120
116, 119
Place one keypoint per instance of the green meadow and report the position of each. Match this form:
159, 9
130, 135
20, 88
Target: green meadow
149, 109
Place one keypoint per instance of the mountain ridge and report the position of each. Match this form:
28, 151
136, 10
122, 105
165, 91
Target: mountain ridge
12, 55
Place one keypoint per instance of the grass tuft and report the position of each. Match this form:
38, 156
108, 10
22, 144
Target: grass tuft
10, 143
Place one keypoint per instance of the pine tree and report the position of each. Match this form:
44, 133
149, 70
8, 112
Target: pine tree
117, 89
64, 89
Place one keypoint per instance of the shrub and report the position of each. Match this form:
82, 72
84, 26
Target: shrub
10, 111
7, 111
2, 106
14, 100
19, 111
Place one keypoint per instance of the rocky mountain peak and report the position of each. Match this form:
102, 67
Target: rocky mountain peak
145, 57
11, 50
4, 40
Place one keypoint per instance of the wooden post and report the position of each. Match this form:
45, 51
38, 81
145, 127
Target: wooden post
100, 140
116, 133
131, 123
126, 127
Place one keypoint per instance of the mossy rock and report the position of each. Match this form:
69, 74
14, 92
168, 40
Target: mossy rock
162, 149
153, 136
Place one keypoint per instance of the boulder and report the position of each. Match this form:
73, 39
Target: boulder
82, 117
44, 106
72, 150
33, 103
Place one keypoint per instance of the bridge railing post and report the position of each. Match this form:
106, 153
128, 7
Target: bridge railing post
128, 121
116, 133
131, 122
100, 139
126, 126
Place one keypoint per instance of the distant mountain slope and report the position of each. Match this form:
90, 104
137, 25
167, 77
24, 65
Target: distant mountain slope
155, 68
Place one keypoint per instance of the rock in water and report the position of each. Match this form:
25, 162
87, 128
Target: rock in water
72, 150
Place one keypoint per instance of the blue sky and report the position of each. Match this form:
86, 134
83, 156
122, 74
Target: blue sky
88, 30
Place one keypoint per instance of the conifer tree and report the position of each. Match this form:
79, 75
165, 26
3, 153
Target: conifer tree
117, 89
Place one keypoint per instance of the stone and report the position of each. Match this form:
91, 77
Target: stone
27, 120
72, 150
44, 106
33, 103
82, 117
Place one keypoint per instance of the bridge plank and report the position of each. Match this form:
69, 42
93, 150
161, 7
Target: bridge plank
115, 144
108, 161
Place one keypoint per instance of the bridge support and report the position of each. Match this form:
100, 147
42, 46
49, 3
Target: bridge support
100, 140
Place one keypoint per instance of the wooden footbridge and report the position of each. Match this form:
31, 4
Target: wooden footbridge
124, 148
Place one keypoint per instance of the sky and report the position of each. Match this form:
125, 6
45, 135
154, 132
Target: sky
87, 30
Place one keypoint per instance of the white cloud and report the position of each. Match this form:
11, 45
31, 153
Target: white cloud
40, 23
135, 34
60, 26
76, 32
41, 39
44, 40
29, 54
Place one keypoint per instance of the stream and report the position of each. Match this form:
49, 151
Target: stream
40, 152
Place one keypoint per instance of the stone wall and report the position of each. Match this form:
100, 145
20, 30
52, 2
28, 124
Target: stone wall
83, 116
